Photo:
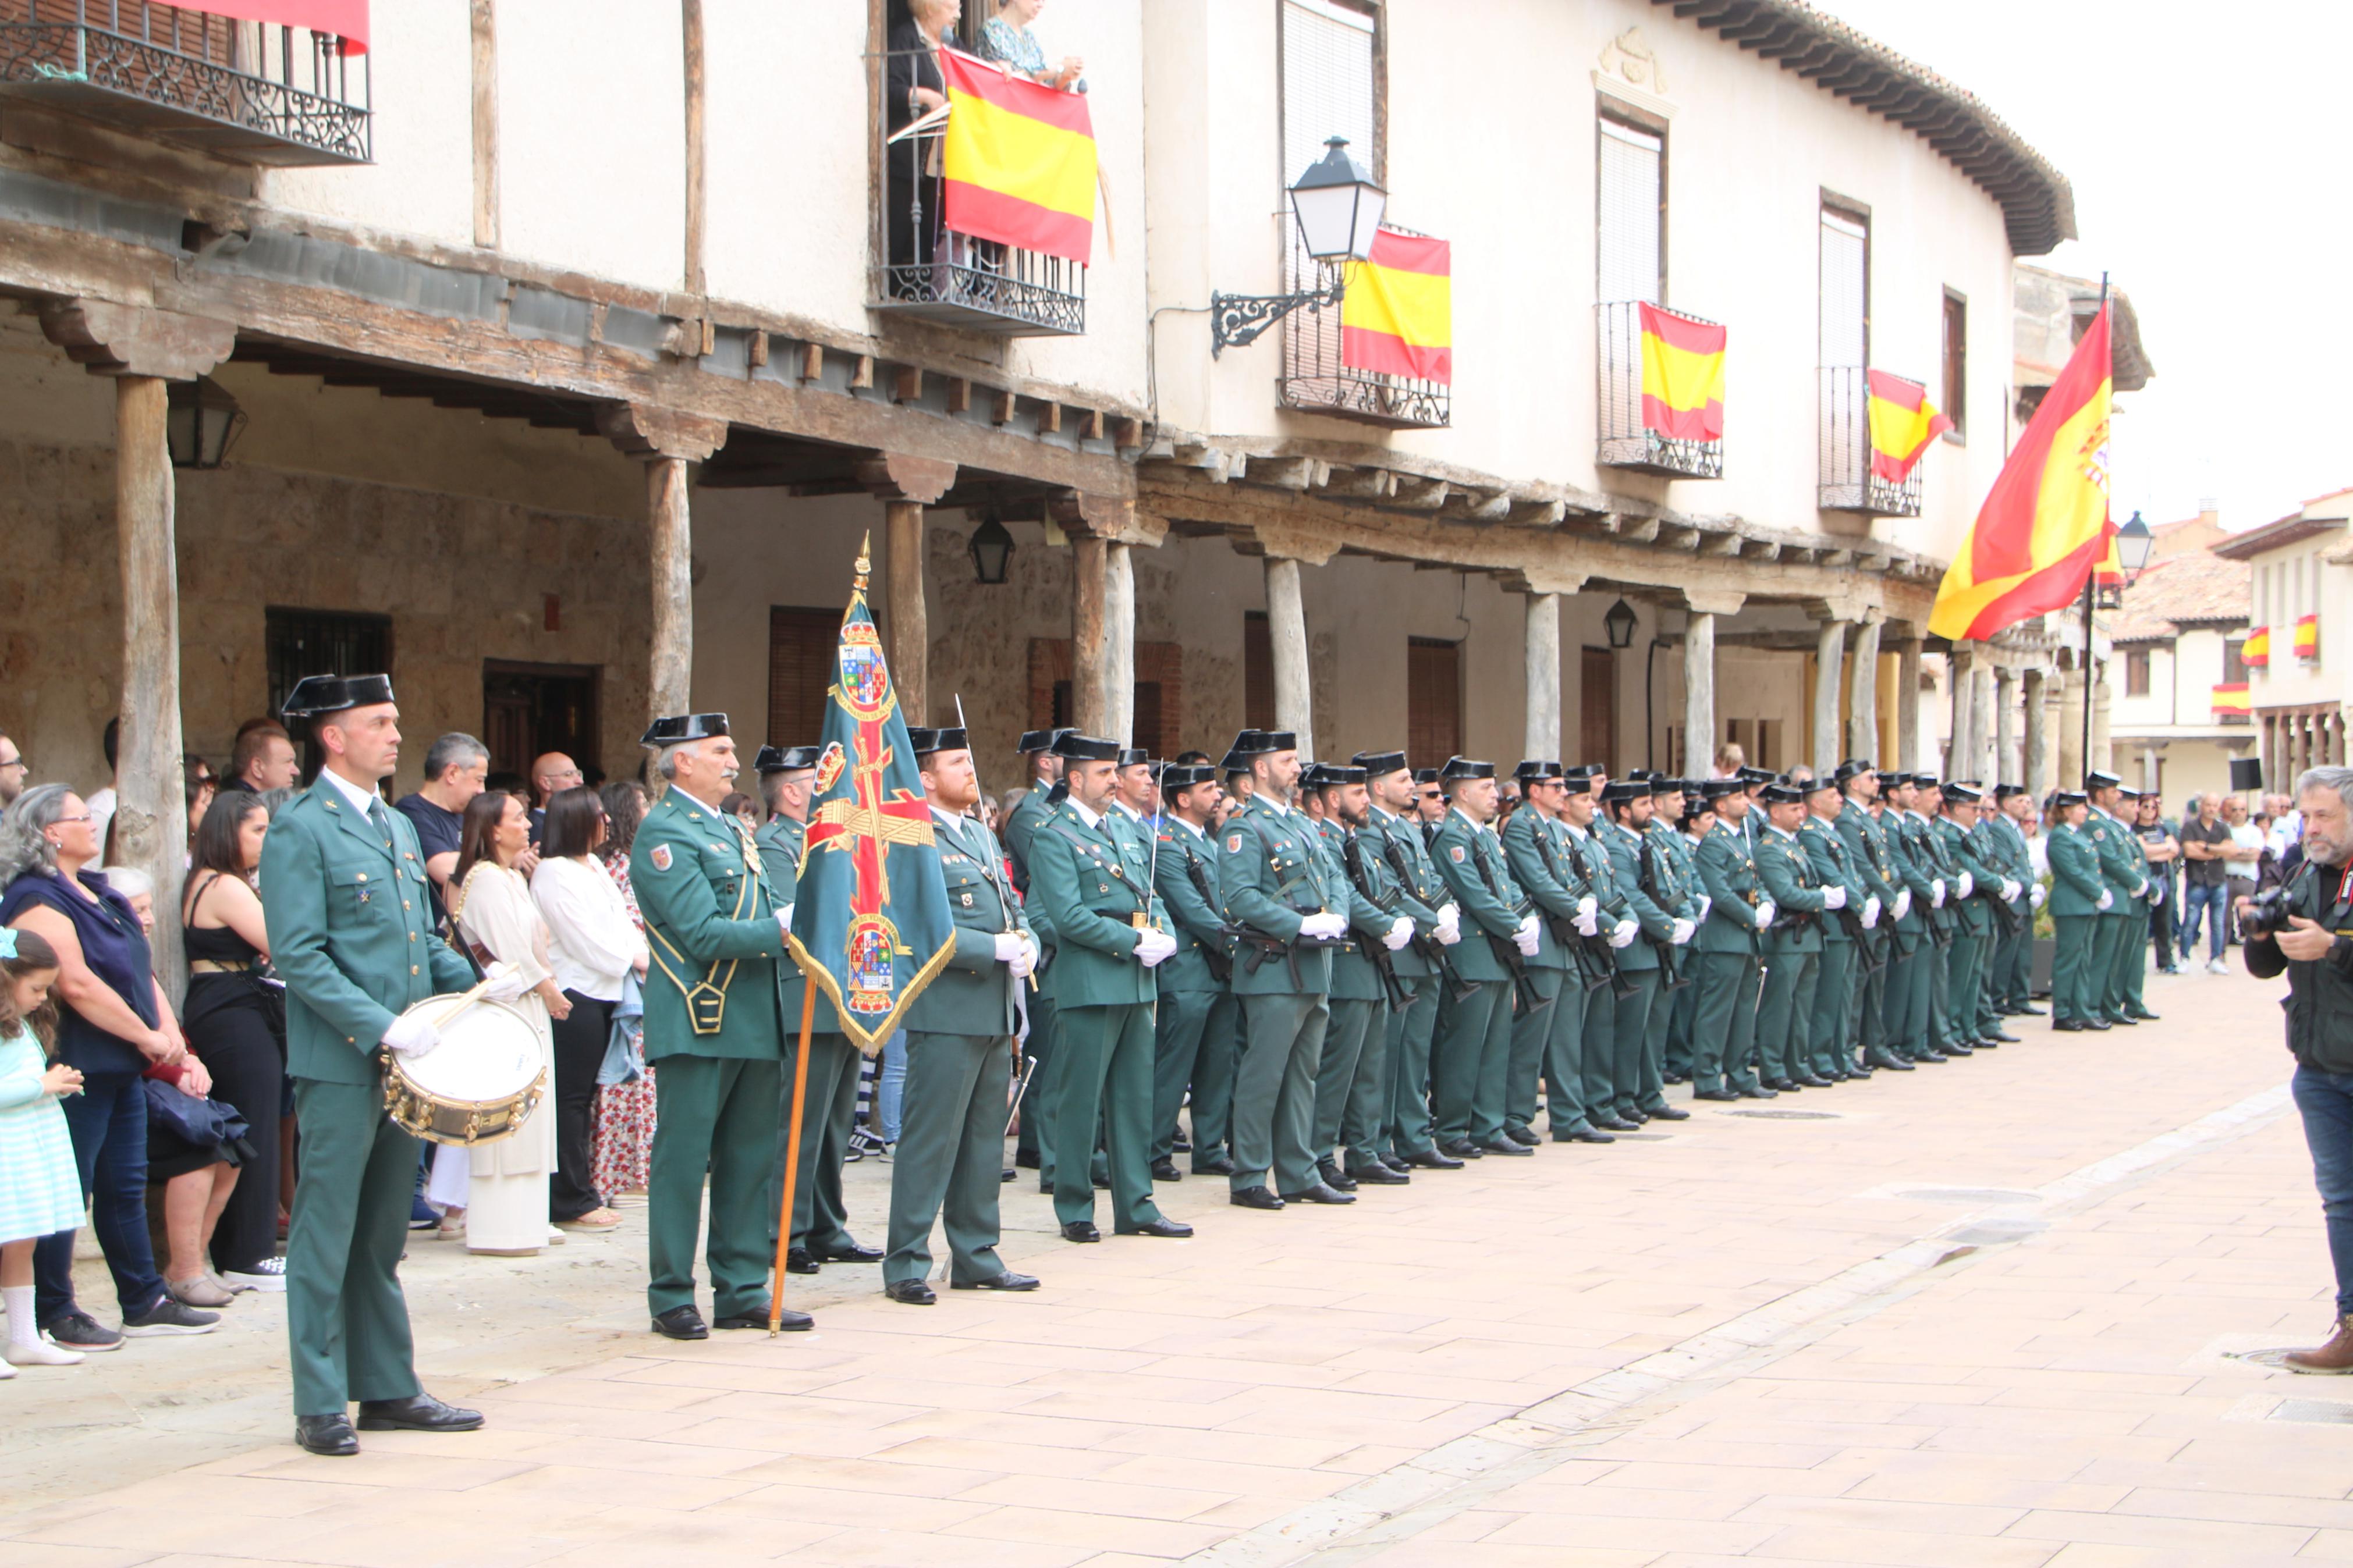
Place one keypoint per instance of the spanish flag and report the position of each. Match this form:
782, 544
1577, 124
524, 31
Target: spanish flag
2255, 653
2308, 638
1019, 161
2230, 701
2044, 526
1397, 313
1902, 423
1682, 377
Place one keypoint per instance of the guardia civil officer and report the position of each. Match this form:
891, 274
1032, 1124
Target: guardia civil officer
1915, 952
1092, 872
1033, 1149
1724, 1032
1547, 1039
1658, 907
1973, 897
1864, 833
351, 933
2132, 949
787, 774
2120, 935
1829, 1030
1193, 1034
1668, 857
1610, 1058
959, 1049
2005, 848
2079, 895
1392, 831
1472, 1057
1792, 944
1279, 894
1351, 1075
716, 1024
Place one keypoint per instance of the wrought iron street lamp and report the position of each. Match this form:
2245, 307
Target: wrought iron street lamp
2134, 544
992, 550
1619, 625
1338, 208
200, 421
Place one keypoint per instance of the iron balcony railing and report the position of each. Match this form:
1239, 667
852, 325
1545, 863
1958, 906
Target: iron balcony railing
923, 269
1315, 380
258, 92
1624, 439
1846, 479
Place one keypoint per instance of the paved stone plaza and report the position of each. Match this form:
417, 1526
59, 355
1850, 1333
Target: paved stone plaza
1991, 1313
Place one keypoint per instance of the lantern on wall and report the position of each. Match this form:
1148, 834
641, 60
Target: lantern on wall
1620, 624
992, 550
201, 421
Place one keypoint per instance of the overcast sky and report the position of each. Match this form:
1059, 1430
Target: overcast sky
2209, 158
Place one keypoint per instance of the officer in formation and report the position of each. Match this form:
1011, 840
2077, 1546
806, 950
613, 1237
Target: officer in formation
1549, 1039
1724, 1030
1194, 1036
1470, 1062
1352, 1076
2001, 833
1882, 948
1791, 945
1669, 874
1605, 1051
1848, 931
2080, 897
1916, 953
1659, 903
1043, 769
1393, 832
2124, 927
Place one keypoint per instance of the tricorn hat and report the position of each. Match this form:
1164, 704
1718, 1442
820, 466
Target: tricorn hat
1782, 793
1426, 775
680, 728
786, 759
1537, 772
924, 742
1378, 764
1034, 741
1072, 746
1185, 775
1460, 768
316, 695
2100, 778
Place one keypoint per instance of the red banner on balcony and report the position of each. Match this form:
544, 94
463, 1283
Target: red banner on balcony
1902, 423
2307, 639
1019, 161
346, 19
2255, 653
1396, 316
1682, 377
2230, 701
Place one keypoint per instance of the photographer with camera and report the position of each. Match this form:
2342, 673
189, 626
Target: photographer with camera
2305, 927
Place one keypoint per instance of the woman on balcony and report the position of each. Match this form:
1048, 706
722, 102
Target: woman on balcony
913, 87
1006, 38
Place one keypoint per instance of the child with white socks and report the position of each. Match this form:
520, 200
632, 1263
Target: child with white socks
40, 1186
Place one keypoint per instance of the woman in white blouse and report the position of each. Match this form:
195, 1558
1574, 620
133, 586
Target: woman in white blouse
593, 945
498, 1192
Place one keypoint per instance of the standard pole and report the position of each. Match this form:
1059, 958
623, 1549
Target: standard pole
792, 1157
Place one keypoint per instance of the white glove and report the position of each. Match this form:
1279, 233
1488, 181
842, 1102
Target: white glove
1681, 933
2035, 895
1764, 914
2141, 891
784, 917
2107, 900
2010, 890
1450, 916
1834, 897
1870, 910
1154, 948
1705, 904
504, 984
1527, 927
1527, 941
1326, 925
1585, 907
411, 1036
1448, 935
1903, 903
1027, 962
1010, 947
1968, 885
1623, 933
1400, 933
1936, 893
1586, 922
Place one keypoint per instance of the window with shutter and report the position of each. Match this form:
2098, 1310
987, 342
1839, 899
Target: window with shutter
1433, 700
1957, 361
1328, 84
1258, 671
1845, 289
801, 648
1630, 263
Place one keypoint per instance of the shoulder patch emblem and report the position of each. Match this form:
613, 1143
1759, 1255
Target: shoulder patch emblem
1456, 851
660, 857
1233, 843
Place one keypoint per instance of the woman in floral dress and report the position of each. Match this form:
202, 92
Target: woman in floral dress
625, 1111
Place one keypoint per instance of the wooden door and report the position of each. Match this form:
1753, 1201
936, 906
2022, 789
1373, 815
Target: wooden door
1433, 700
802, 645
1596, 729
529, 709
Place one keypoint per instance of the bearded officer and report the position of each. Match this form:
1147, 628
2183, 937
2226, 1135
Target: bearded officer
716, 1026
1193, 1033
1656, 904
351, 933
1792, 944
1723, 1031
1392, 831
959, 1050
1473, 1060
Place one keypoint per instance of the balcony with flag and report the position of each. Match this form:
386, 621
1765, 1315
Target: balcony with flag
985, 209
1874, 429
1386, 356
283, 82
1660, 392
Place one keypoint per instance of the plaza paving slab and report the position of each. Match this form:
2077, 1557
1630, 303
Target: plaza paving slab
2008, 1311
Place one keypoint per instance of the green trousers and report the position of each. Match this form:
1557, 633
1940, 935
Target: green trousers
1937, 962
1962, 984
1410, 1030
1275, 1091
2073, 957
1531, 1034
1599, 1057
1724, 1026
346, 1320
1337, 1068
1664, 1007
715, 1117
1906, 1016
2132, 961
1106, 1082
1677, 1056
1830, 1038
1035, 1146
2015, 975
1193, 1048
1630, 1035
1468, 1063
2116, 930
1866, 1008
949, 1165
1784, 1014
1563, 1018
828, 1116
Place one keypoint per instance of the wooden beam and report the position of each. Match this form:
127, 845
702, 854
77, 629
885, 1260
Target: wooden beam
108, 339
812, 361
1000, 407
756, 349
1049, 418
909, 645
1090, 426
150, 818
1128, 434
1422, 494
862, 377
691, 33
960, 394
908, 385
484, 66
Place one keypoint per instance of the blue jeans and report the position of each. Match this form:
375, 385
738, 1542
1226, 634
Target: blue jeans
2326, 1100
108, 1120
2214, 903
890, 1085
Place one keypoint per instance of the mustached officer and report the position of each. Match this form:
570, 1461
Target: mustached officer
1193, 1035
1792, 943
1471, 1061
1724, 1032
1393, 831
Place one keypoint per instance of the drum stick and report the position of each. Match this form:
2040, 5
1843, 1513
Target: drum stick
455, 1004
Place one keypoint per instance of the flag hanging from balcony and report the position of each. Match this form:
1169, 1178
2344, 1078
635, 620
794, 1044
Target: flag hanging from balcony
1902, 423
343, 19
870, 922
2230, 701
2255, 653
1018, 161
2308, 638
1683, 377
1397, 315
2044, 525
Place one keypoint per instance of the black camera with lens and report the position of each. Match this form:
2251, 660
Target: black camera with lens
2267, 913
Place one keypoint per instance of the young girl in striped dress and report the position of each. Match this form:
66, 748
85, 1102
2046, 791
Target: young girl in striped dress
40, 1188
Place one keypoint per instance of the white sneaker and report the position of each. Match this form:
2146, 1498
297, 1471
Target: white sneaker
269, 1274
6, 1371
2217, 966
40, 1352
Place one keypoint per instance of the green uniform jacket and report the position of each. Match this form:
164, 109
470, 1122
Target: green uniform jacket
1672, 869
711, 924
1199, 928
1091, 882
1271, 873
1354, 978
1421, 891
779, 842
1865, 838
1961, 850
1915, 870
351, 933
973, 994
2075, 881
1539, 863
1729, 874
1786, 874
1470, 861
2119, 851
1624, 847
1834, 867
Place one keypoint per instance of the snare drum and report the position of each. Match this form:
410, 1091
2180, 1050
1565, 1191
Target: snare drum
478, 1085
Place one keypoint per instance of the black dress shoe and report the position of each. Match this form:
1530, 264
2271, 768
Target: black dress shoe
1678, 1078
1614, 1123
1166, 1229
1668, 1113
1523, 1135
1082, 1230
1505, 1146
1216, 1165
2142, 1014
1377, 1175
1780, 1085
1165, 1170
1318, 1193
1254, 1198
2001, 1037
681, 1323
1463, 1149
1329, 1169
1583, 1135
1434, 1159
417, 1413
798, 1261
1813, 1080
853, 1252
1183, 1141
2126, 1019
1957, 1048
1005, 1280
1713, 1094
1637, 1116
1025, 1159
911, 1292
1757, 1091
330, 1435
1396, 1164
2067, 1026
792, 1322
2101, 1024
1009, 1176
2030, 1010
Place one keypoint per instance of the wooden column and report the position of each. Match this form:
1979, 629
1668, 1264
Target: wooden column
1102, 529
668, 439
1907, 705
1829, 658
1286, 624
905, 486
485, 71
1541, 730
2071, 727
1090, 655
145, 350
1862, 705
1699, 694
2034, 763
